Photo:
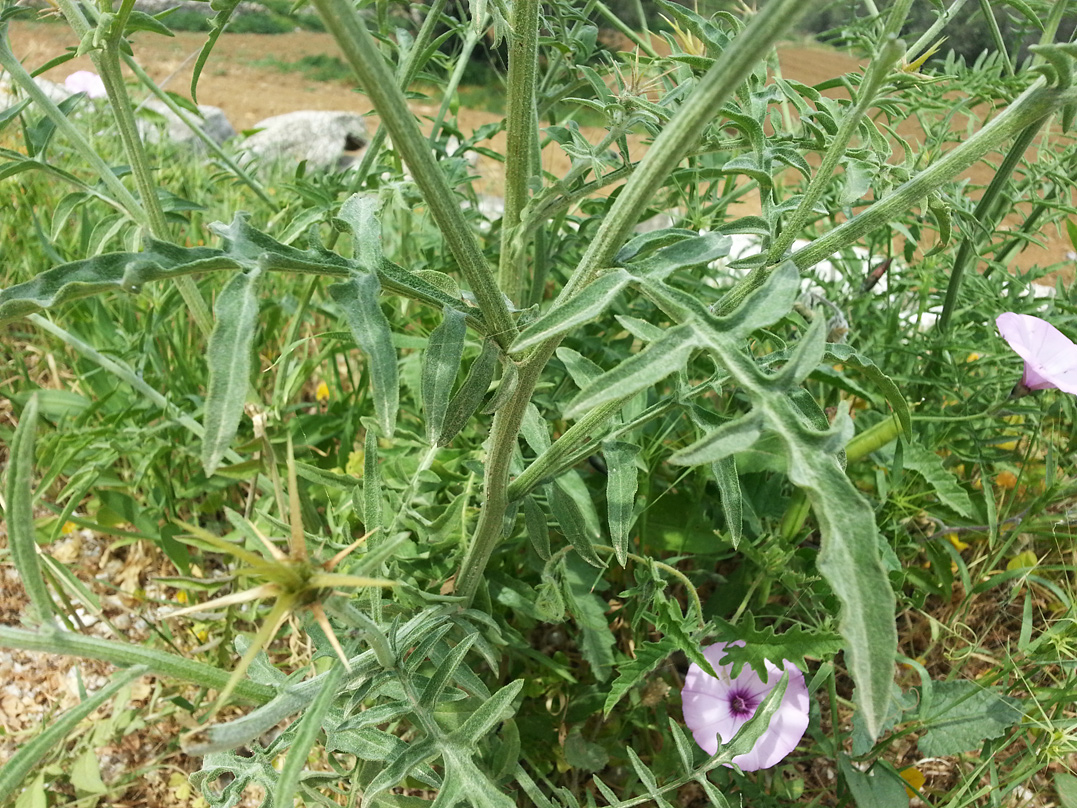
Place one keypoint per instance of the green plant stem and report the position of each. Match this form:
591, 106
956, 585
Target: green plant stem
681, 134
983, 217
940, 22
362, 53
125, 654
18, 74
675, 141
471, 39
405, 76
521, 125
504, 434
865, 97
1033, 104
198, 132
632, 36
579, 435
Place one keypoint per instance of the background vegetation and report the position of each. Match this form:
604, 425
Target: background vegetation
656, 443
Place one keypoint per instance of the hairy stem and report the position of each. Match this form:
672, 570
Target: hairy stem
521, 124
681, 134
362, 54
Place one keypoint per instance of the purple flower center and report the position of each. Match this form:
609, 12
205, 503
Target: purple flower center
742, 703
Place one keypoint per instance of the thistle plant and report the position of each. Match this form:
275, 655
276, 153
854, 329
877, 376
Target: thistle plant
587, 465
293, 580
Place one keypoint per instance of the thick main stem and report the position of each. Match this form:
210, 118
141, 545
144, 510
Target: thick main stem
504, 434
679, 136
523, 68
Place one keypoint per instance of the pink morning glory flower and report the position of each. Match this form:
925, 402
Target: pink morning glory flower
1050, 357
716, 708
83, 81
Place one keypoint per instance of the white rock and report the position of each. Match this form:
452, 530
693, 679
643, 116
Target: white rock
328, 141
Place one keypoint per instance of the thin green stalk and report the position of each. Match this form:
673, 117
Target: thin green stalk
125, 654
406, 73
865, 97
1033, 104
198, 132
681, 134
633, 37
984, 216
471, 39
362, 53
929, 35
521, 125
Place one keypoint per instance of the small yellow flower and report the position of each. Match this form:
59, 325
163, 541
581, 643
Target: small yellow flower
956, 542
914, 780
322, 392
1006, 480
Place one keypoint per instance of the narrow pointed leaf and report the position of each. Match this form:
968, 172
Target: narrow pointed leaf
574, 525
621, 484
584, 307
737, 435
538, 531
494, 710
229, 360
685, 747
414, 756
372, 510
840, 352
630, 673
441, 364
445, 671
469, 397
309, 728
654, 363
765, 305
805, 357
19, 493
725, 475
224, 9
359, 298
510, 377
